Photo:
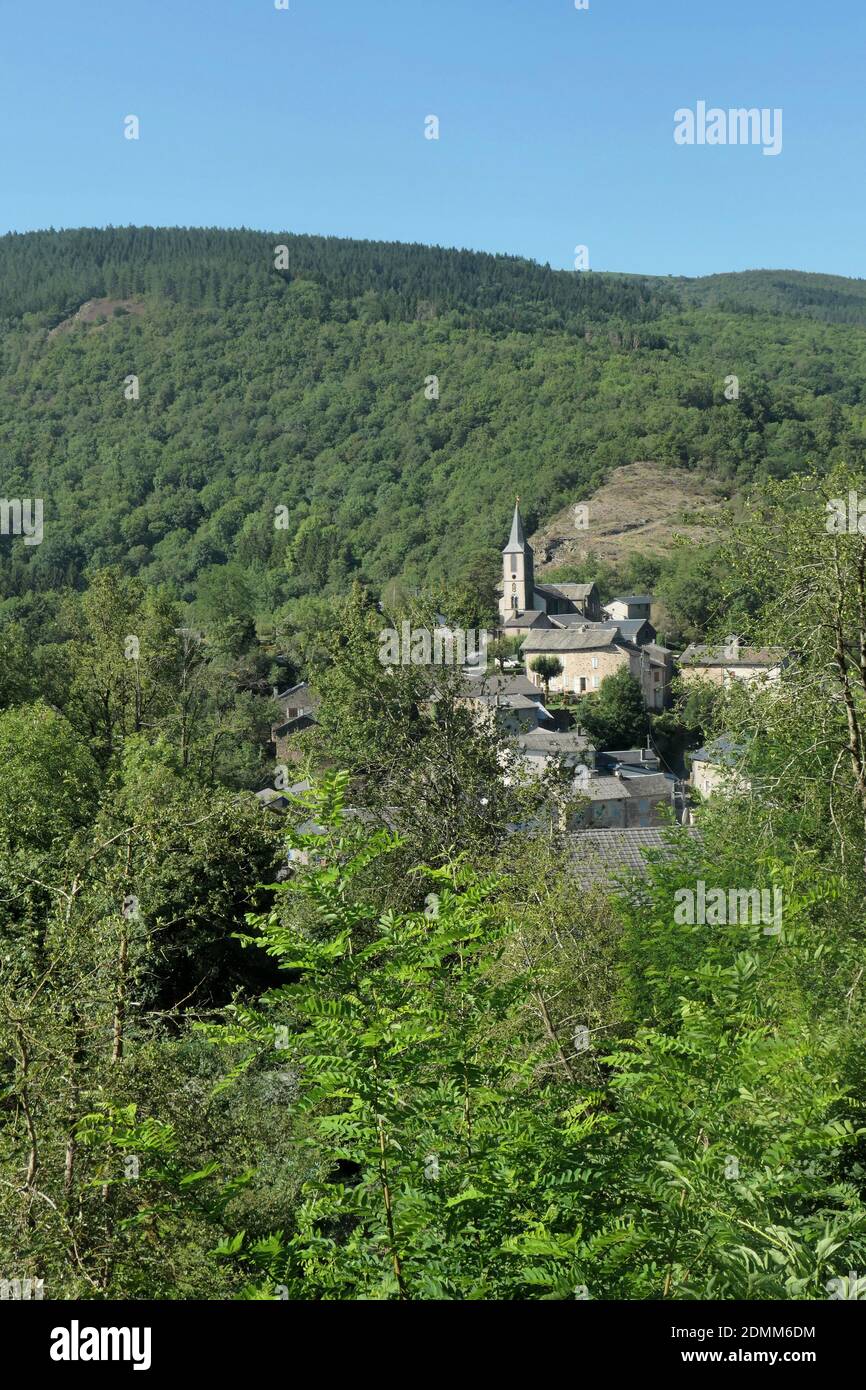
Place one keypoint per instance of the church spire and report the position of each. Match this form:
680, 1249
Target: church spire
517, 539
518, 581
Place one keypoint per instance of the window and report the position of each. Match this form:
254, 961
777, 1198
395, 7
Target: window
595, 663
595, 682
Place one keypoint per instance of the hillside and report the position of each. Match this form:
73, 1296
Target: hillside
830, 298
310, 390
636, 511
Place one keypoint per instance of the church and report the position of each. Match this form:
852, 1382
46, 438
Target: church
525, 606
567, 621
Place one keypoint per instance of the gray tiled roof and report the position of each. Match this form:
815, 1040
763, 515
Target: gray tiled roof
549, 741
631, 757
293, 726
500, 684
723, 752
601, 857
697, 654
606, 789
657, 653
517, 539
527, 617
653, 784
632, 627
571, 640
572, 591
500, 701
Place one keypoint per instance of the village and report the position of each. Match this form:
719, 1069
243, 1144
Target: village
565, 642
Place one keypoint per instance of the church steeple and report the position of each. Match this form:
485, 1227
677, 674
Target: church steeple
518, 578
517, 539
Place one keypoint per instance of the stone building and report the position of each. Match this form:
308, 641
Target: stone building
732, 661
630, 606
625, 803
589, 653
524, 604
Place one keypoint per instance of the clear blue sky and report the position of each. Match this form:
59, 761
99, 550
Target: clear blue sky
556, 125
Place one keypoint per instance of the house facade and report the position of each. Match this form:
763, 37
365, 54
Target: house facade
630, 606
732, 661
625, 803
591, 652
715, 768
297, 708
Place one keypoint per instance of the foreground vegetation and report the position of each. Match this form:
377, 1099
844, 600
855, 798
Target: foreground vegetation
413, 1061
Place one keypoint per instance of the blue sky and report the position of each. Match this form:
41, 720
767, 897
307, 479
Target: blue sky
556, 124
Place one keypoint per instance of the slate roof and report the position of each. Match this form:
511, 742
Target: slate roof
651, 784
571, 591
606, 789
697, 654
500, 684
658, 656
293, 726
548, 741
600, 857
507, 701
722, 752
629, 757
631, 628
528, 617
517, 539
632, 598
654, 786
301, 692
566, 639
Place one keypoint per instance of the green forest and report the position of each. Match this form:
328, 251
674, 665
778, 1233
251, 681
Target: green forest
382, 1046
310, 390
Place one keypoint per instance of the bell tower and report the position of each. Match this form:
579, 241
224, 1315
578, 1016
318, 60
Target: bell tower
518, 579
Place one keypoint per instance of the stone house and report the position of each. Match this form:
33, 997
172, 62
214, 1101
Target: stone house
515, 703
715, 768
732, 661
630, 606
297, 707
625, 803
589, 653
542, 747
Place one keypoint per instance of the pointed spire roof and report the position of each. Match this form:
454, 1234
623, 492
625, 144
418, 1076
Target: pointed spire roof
517, 539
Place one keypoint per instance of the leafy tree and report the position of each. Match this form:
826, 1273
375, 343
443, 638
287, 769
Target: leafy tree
548, 668
446, 1183
615, 717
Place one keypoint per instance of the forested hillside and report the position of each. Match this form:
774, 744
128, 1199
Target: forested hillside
310, 389
386, 1044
